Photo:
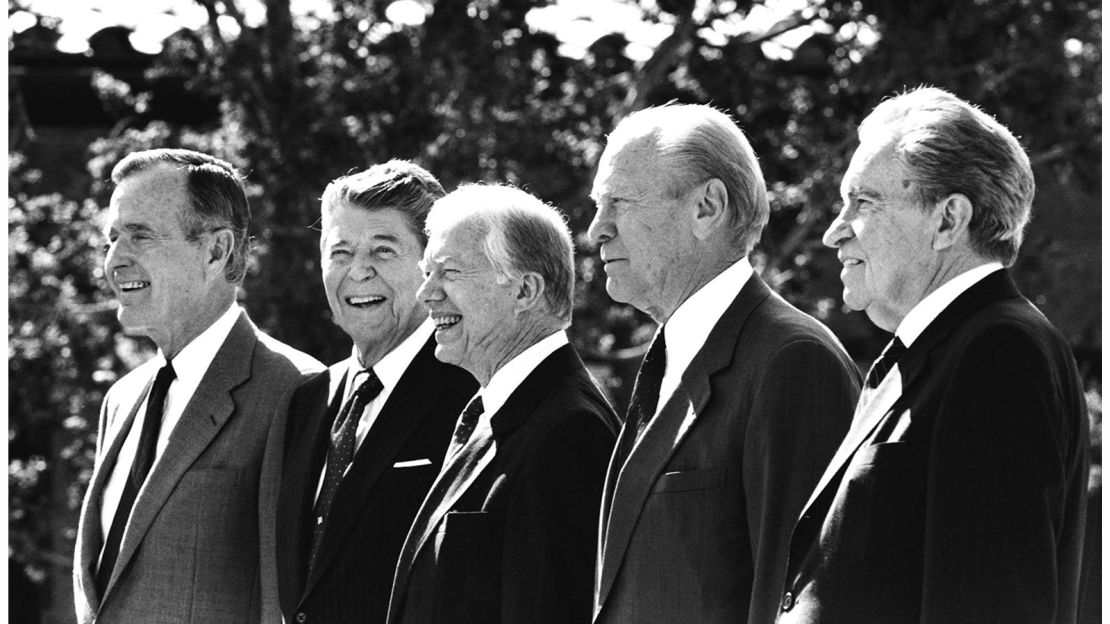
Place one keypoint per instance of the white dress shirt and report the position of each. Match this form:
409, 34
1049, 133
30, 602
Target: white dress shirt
506, 380
189, 366
389, 370
689, 325
927, 310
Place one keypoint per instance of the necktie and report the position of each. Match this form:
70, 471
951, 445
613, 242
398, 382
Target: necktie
467, 422
645, 392
341, 451
144, 459
890, 356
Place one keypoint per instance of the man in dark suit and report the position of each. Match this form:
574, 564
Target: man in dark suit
959, 494
179, 504
508, 532
367, 437
741, 399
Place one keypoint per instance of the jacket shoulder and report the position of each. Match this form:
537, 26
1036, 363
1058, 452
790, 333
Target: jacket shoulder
279, 356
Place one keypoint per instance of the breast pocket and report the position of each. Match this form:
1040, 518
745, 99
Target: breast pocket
690, 480
470, 557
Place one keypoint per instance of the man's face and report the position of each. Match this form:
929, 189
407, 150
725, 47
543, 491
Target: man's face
164, 283
645, 236
369, 260
884, 237
474, 314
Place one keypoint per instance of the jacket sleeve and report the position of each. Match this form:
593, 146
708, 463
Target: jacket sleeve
550, 540
1006, 447
800, 414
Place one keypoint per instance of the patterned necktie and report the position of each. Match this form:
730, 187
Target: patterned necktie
341, 451
465, 427
890, 356
645, 392
144, 459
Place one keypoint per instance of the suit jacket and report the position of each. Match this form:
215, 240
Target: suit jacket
960, 494
376, 500
517, 546
696, 523
191, 549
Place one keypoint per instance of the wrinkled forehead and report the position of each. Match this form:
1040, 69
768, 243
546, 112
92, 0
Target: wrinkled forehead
628, 168
875, 160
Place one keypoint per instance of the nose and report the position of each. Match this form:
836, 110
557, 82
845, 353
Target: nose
429, 290
363, 269
838, 232
116, 256
601, 227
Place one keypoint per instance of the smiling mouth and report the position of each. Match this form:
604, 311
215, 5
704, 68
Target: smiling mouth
850, 262
132, 285
364, 301
445, 321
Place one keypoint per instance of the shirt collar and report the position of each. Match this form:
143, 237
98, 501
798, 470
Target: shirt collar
926, 310
689, 326
393, 365
509, 376
190, 364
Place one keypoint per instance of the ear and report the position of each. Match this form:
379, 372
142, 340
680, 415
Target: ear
954, 214
710, 208
530, 292
221, 242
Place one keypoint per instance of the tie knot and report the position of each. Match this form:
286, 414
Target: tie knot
165, 375
473, 410
369, 384
889, 357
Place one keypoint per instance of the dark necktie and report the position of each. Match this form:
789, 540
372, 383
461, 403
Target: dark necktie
144, 459
465, 427
890, 356
341, 451
645, 392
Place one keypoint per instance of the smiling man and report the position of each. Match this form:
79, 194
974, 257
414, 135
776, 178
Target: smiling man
367, 437
178, 507
960, 494
508, 531
741, 399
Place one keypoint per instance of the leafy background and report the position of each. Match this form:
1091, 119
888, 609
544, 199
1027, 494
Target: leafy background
478, 91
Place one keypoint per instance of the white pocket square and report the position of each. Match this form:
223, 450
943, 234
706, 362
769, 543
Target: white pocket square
412, 463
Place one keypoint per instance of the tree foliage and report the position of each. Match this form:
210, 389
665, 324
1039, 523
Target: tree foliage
476, 92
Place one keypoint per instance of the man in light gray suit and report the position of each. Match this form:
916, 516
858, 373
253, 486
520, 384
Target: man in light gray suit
188, 453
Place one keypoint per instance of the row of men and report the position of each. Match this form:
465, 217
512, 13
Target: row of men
755, 477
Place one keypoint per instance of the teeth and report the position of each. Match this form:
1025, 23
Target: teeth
446, 320
356, 301
132, 285
852, 262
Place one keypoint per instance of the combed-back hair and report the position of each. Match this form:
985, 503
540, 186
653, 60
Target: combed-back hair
397, 184
950, 146
216, 194
522, 234
701, 143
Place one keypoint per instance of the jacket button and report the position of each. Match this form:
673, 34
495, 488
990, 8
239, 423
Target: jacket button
788, 601
302, 618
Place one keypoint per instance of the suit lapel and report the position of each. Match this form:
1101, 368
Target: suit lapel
91, 539
408, 407
884, 400
518, 407
628, 483
203, 418
301, 475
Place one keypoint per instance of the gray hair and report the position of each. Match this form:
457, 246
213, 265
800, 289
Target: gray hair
950, 146
522, 234
398, 184
701, 143
216, 194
